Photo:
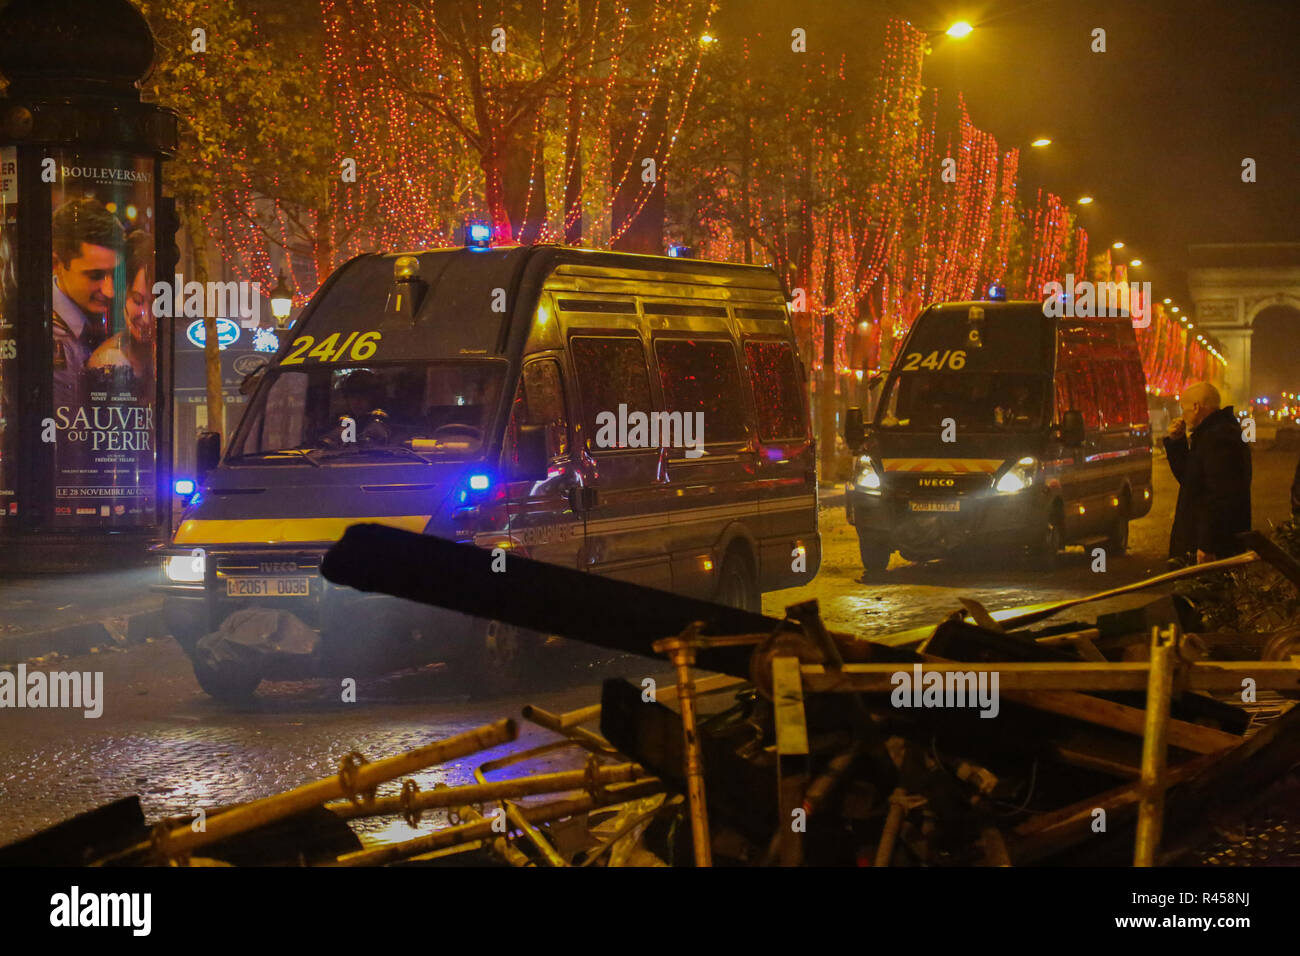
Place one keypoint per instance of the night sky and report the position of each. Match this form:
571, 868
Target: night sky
1155, 128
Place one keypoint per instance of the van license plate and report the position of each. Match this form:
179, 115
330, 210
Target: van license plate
268, 587
935, 505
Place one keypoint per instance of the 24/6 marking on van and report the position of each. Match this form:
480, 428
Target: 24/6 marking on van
955, 360
362, 346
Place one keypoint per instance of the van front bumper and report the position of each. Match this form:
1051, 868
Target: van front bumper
925, 527
345, 617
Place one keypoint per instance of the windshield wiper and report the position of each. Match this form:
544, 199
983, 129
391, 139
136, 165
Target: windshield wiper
398, 450
302, 453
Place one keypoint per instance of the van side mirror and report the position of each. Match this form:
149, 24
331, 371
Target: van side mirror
854, 432
1072, 429
581, 498
207, 453
248, 384
532, 461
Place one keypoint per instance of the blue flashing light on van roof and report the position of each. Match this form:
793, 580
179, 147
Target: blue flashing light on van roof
184, 487
679, 251
479, 482
478, 236
997, 292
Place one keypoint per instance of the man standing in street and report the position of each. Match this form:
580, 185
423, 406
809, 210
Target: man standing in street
1212, 465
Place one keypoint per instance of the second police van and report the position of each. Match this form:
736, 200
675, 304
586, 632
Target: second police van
1001, 430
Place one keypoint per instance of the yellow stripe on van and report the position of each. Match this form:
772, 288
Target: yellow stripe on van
284, 530
956, 466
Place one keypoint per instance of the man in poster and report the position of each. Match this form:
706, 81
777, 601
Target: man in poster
87, 243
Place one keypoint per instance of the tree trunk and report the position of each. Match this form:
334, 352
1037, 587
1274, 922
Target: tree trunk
324, 246
197, 227
494, 189
827, 406
573, 181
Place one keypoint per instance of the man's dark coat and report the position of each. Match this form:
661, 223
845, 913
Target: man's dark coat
1212, 465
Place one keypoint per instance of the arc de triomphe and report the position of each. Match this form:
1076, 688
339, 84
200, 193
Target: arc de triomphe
1231, 284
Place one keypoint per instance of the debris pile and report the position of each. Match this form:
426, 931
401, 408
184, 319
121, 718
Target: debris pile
991, 739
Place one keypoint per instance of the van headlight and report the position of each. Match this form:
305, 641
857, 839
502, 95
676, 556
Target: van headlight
184, 568
1017, 477
866, 477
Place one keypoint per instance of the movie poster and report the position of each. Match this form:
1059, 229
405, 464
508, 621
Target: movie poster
8, 333
104, 375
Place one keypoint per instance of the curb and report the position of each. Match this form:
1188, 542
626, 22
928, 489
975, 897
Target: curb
81, 637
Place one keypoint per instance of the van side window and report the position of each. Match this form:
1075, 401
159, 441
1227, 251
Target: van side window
539, 400
1076, 389
1113, 393
701, 375
777, 394
544, 403
611, 371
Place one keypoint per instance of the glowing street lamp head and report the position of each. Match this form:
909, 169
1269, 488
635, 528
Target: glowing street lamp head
1085, 200
708, 39
959, 30
281, 300
1135, 262
1041, 142
1117, 245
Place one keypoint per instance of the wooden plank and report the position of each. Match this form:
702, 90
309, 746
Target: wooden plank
1106, 713
1151, 807
792, 757
1047, 833
1056, 675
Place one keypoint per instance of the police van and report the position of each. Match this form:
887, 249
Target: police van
1002, 429
640, 417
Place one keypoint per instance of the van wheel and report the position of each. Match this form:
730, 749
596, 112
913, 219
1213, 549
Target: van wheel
504, 658
227, 683
875, 554
1117, 542
737, 584
1045, 553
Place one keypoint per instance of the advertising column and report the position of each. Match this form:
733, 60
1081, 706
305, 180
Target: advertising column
8, 334
103, 361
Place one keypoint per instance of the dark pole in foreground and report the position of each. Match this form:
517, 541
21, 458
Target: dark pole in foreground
541, 597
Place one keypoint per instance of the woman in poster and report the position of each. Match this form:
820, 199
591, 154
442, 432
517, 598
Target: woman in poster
124, 363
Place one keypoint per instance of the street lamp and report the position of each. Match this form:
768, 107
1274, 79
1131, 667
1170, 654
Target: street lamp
1117, 245
1135, 262
959, 30
1041, 142
282, 302
1085, 200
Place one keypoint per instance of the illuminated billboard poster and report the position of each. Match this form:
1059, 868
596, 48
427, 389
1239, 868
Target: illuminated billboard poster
104, 375
8, 333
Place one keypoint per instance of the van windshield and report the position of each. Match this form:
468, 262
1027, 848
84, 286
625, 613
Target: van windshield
391, 411
980, 402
